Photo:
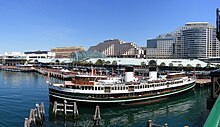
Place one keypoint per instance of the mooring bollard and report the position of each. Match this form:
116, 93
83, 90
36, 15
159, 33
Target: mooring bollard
75, 111
97, 117
149, 123
26, 122
55, 108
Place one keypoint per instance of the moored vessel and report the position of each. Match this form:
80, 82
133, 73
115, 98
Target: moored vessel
120, 90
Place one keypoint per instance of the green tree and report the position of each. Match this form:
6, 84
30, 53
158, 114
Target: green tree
180, 66
114, 62
99, 62
171, 64
162, 64
90, 63
107, 62
189, 66
208, 65
198, 65
218, 66
143, 64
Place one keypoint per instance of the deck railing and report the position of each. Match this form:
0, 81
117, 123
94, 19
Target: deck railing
213, 119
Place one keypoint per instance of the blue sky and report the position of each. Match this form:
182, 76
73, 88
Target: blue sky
27, 25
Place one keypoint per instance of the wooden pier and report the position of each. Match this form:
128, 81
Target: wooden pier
66, 108
71, 109
55, 73
202, 82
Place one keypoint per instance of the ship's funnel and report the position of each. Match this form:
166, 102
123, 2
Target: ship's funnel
152, 70
129, 74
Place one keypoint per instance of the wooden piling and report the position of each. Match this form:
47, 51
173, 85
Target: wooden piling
32, 117
165, 125
64, 107
26, 122
42, 110
55, 108
149, 123
75, 111
38, 112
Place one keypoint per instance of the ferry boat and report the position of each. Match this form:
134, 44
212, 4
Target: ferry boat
117, 90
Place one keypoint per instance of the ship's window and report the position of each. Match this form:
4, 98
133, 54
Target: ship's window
136, 87
113, 88
102, 88
85, 87
123, 88
82, 87
98, 88
92, 88
95, 88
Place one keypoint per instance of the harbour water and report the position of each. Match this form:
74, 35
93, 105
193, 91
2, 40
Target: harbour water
19, 92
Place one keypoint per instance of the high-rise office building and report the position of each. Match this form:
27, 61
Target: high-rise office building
200, 40
161, 47
194, 40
